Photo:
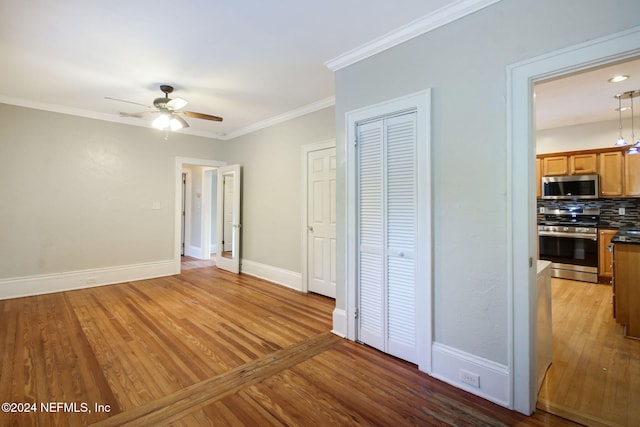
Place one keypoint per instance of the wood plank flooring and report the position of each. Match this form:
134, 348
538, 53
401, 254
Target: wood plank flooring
595, 373
207, 347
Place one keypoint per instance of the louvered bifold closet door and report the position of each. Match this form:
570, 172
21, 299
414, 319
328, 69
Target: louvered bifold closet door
371, 256
400, 143
387, 234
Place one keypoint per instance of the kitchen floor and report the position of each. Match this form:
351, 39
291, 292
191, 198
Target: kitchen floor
594, 378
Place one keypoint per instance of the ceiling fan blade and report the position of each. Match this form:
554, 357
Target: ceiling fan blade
138, 115
128, 102
202, 116
176, 103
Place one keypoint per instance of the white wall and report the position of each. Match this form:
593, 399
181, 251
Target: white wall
77, 193
271, 189
582, 137
465, 65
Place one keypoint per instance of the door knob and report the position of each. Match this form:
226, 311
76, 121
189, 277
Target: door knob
310, 228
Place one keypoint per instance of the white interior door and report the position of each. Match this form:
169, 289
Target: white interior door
228, 257
387, 230
321, 221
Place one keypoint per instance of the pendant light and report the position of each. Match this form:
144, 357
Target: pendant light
635, 149
621, 141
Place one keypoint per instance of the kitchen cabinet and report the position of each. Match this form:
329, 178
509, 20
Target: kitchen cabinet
555, 165
575, 164
632, 174
626, 300
611, 174
605, 260
618, 171
583, 164
538, 178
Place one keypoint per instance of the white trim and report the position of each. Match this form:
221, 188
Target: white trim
280, 276
494, 381
80, 279
281, 118
421, 103
339, 322
429, 22
78, 112
194, 252
188, 220
304, 153
232, 263
521, 237
180, 162
206, 212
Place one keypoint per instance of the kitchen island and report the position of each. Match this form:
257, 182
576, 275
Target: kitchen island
626, 283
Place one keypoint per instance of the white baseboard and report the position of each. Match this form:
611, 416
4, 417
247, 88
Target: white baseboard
340, 322
283, 277
67, 281
493, 377
194, 251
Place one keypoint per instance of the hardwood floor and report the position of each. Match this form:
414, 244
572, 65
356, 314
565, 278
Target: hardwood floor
595, 374
207, 347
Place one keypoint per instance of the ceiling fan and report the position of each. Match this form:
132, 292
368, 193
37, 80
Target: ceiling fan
170, 117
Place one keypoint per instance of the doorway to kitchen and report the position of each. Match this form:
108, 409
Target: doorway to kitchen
592, 364
522, 205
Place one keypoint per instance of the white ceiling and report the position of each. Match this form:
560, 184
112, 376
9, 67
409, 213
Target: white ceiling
246, 61
586, 97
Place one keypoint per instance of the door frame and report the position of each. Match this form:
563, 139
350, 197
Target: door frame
232, 264
304, 182
521, 204
188, 200
180, 162
421, 103
206, 211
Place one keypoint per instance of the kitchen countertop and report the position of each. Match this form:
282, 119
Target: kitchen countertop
627, 235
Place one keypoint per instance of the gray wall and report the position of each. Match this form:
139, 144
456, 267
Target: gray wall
581, 137
77, 192
465, 65
271, 186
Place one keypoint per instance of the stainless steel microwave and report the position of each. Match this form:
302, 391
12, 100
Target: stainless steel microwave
570, 187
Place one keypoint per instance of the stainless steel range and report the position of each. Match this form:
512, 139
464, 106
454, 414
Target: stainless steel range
568, 237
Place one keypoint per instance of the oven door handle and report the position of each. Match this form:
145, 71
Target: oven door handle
574, 235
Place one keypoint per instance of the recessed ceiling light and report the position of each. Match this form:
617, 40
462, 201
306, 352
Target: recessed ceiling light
620, 78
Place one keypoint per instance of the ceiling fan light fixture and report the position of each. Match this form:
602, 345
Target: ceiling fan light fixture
177, 123
162, 122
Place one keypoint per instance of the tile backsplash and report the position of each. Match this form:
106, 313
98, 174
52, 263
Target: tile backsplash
609, 210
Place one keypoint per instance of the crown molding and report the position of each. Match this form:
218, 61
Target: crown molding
281, 118
436, 19
54, 108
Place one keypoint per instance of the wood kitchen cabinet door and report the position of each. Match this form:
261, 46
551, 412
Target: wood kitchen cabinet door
555, 165
583, 164
605, 262
538, 178
627, 294
611, 174
632, 174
